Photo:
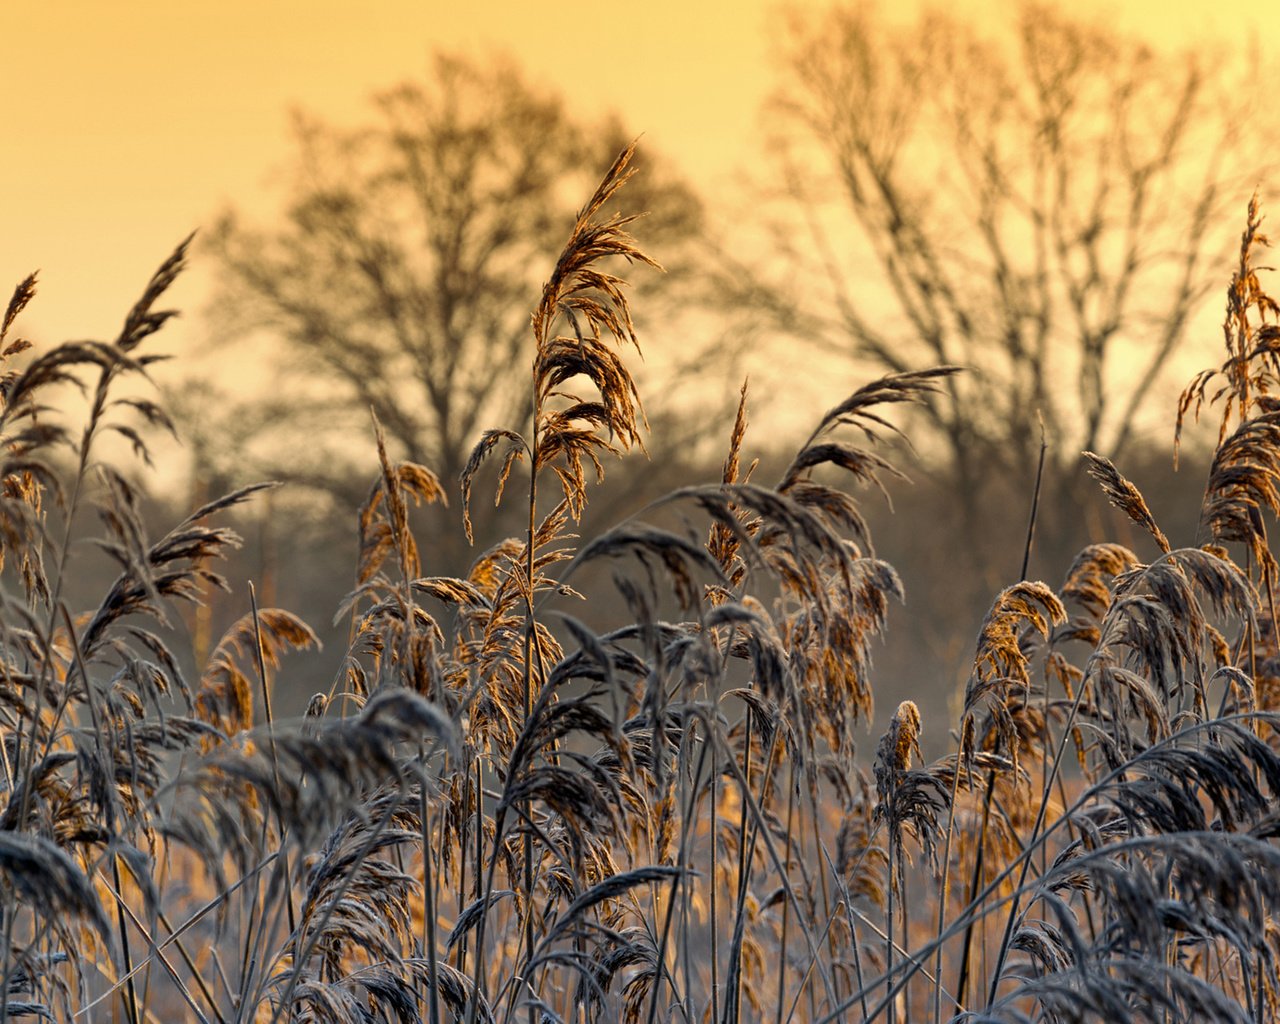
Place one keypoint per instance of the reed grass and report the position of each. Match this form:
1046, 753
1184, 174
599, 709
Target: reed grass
502, 807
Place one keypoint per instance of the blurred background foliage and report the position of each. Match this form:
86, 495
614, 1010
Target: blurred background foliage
1048, 205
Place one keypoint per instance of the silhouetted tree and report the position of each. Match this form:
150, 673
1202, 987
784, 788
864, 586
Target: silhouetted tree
1045, 207
403, 272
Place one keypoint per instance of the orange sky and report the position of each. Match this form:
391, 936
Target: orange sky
129, 124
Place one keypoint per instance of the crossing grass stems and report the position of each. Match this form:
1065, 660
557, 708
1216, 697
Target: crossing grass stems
498, 810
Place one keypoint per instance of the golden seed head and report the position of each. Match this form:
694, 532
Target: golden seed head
905, 729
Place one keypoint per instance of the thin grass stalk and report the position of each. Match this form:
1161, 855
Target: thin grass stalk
262, 927
188, 960
528, 707
1032, 840
675, 881
252, 938
499, 823
989, 790
479, 847
131, 994
1249, 628
1035, 503
713, 740
161, 885
715, 861
116, 891
529, 630
268, 925
775, 859
222, 973
891, 847
131, 1002
814, 815
733, 1005
786, 907
260, 664
944, 887
511, 987
766, 787
466, 848
1046, 745
6, 675
846, 901
464, 851
904, 903
746, 856
975, 881
174, 935
428, 895
691, 800
804, 986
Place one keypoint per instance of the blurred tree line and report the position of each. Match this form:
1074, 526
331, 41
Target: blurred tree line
1049, 208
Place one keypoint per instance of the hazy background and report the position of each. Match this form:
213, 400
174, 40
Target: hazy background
130, 125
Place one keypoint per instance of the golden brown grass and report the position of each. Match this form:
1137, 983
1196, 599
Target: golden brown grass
501, 807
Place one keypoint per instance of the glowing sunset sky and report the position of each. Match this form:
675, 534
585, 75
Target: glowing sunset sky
129, 124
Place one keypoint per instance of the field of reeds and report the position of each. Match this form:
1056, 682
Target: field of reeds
495, 809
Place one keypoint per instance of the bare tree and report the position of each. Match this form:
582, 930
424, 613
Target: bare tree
1041, 207
402, 276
